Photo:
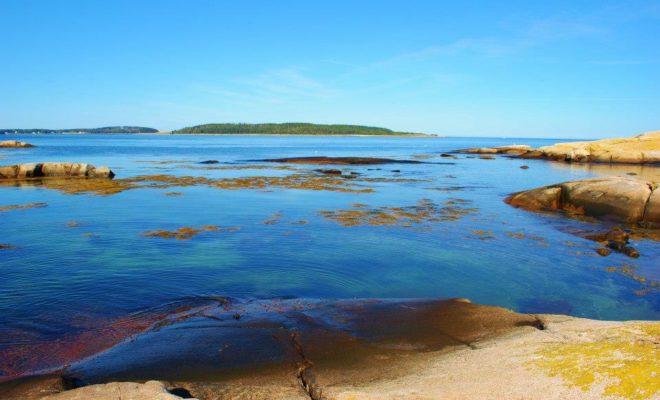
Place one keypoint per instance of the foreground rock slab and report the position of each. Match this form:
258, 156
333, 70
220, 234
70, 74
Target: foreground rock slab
613, 198
54, 169
15, 144
294, 349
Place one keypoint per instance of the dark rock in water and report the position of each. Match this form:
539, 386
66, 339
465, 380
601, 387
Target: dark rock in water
487, 157
210, 162
329, 171
397, 171
54, 169
538, 305
603, 251
630, 252
616, 239
524, 167
445, 155
339, 160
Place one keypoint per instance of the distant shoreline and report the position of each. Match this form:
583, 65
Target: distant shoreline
287, 134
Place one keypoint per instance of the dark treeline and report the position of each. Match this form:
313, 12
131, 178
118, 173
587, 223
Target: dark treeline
105, 129
293, 128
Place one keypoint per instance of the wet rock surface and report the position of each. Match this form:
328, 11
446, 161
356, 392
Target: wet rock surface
364, 349
53, 169
612, 198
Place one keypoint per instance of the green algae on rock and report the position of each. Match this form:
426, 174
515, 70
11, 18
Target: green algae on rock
425, 211
183, 233
22, 206
105, 187
339, 160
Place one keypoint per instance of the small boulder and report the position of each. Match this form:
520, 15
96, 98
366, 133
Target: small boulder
15, 144
612, 198
54, 169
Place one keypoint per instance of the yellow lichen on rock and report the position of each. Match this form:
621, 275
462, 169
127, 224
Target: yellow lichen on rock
624, 361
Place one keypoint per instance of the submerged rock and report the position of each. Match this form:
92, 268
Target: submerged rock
612, 198
512, 149
340, 160
54, 169
15, 144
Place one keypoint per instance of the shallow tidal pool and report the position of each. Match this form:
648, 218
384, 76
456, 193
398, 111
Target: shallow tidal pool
438, 228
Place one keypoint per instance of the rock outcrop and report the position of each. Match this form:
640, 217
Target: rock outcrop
15, 144
613, 198
54, 169
640, 149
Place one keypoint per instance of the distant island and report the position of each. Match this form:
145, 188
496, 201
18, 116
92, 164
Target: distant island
105, 129
292, 128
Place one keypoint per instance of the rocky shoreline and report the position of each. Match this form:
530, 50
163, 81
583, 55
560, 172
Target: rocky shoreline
412, 349
640, 149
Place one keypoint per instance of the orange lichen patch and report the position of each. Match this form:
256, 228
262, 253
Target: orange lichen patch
184, 233
624, 361
425, 211
22, 206
630, 271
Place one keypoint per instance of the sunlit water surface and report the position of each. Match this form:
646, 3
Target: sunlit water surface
61, 279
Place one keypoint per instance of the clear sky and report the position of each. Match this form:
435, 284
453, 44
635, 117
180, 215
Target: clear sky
489, 68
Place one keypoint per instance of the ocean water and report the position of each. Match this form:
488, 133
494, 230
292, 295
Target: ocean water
83, 259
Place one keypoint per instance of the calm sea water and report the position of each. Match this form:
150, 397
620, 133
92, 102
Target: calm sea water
61, 279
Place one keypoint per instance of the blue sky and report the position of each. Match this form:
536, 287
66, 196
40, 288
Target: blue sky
491, 68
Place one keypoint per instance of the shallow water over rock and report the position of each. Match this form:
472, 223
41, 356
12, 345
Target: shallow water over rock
57, 281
